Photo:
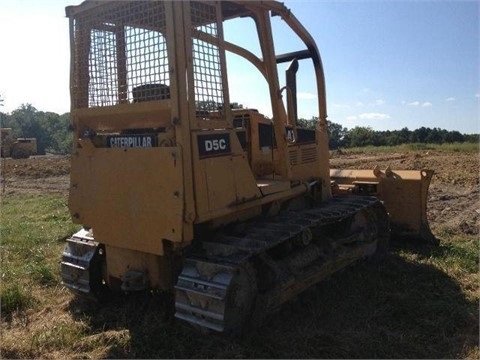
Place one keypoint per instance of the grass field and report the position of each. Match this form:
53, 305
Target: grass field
421, 302
450, 147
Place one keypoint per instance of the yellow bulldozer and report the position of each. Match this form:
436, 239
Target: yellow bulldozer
16, 148
233, 211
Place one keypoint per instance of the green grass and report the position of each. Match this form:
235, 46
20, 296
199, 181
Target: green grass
33, 230
453, 147
14, 298
31, 235
421, 302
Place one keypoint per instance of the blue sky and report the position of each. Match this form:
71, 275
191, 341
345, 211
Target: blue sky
388, 64
395, 64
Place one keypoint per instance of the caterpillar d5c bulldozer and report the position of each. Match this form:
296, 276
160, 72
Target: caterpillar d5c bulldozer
232, 211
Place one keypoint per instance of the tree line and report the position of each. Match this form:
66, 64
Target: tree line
51, 130
359, 136
54, 135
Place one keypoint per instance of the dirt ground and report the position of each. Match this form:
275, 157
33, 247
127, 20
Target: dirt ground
453, 199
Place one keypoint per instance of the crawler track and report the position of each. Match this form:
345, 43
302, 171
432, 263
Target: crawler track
238, 279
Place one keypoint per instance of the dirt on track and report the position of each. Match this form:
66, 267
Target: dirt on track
453, 199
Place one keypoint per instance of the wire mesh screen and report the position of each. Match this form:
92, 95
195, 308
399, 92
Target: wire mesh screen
103, 85
120, 54
206, 59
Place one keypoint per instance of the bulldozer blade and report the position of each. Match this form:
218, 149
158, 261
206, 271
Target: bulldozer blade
403, 192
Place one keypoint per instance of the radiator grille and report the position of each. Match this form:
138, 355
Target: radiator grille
293, 156
306, 155
309, 155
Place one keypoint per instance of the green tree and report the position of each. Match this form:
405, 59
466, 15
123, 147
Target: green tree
50, 129
361, 136
419, 135
56, 132
434, 136
472, 138
336, 135
307, 124
454, 136
404, 136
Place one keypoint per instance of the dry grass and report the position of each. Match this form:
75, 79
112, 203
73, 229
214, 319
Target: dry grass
465, 147
422, 302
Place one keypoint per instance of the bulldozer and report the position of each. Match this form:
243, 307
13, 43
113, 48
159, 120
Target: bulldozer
231, 210
16, 148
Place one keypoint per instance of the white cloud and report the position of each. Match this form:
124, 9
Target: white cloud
403, 102
450, 99
341, 106
373, 116
379, 102
477, 95
418, 103
360, 104
368, 116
